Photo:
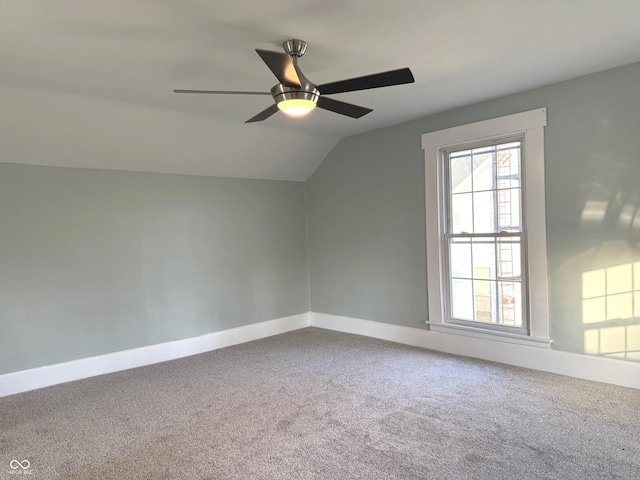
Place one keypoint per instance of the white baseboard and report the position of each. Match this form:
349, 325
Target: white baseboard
40, 377
599, 369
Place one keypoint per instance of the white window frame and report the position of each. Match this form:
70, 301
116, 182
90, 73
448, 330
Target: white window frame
530, 125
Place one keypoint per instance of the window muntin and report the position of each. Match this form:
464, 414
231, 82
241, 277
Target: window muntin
483, 236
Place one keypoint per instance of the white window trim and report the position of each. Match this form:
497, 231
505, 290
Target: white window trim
531, 124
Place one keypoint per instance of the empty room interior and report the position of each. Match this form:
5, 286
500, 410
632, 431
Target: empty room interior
320, 240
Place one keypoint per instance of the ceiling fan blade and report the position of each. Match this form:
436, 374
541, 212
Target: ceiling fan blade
263, 115
384, 79
282, 67
343, 108
221, 92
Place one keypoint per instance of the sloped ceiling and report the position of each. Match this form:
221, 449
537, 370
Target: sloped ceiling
88, 83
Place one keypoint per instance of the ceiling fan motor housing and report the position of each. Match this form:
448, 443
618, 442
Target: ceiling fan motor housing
305, 92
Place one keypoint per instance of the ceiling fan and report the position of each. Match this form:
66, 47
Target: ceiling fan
295, 95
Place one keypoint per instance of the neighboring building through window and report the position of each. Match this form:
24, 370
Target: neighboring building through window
486, 240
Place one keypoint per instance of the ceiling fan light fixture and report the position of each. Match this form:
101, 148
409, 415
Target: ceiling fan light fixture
295, 102
296, 107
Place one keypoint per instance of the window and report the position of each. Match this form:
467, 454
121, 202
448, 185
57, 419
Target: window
483, 235
486, 237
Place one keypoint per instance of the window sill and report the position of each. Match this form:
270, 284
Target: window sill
489, 335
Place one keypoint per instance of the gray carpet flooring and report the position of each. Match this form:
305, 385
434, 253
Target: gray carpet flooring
317, 404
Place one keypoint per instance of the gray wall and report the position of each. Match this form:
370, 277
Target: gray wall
367, 217
95, 261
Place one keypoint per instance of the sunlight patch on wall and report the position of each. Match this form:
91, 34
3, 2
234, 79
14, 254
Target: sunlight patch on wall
611, 311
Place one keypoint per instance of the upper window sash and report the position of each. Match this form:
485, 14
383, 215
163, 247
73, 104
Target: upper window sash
468, 184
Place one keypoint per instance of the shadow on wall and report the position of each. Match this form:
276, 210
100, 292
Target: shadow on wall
600, 287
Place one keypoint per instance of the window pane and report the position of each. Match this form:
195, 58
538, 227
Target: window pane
509, 209
462, 299
508, 168
460, 254
484, 212
461, 213
484, 258
484, 297
509, 259
460, 174
510, 303
483, 172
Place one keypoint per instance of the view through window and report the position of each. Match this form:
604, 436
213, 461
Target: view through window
484, 234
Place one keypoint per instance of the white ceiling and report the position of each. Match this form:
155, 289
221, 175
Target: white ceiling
87, 83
